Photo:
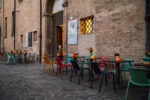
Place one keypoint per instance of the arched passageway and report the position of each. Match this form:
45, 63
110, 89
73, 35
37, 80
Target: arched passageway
52, 21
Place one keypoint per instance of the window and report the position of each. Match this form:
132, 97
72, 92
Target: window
0, 3
13, 24
35, 36
30, 39
87, 25
21, 39
5, 27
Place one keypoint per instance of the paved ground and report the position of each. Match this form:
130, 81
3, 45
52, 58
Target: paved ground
27, 82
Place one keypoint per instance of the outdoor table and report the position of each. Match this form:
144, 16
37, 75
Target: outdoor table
147, 66
118, 67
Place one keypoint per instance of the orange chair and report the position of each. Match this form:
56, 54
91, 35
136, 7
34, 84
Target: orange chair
48, 63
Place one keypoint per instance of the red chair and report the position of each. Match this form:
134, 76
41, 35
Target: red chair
62, 66
101, 61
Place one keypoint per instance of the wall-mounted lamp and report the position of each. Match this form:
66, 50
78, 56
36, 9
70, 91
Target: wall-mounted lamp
70, 17
65, 4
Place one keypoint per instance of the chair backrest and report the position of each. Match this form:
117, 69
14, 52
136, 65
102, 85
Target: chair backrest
101, 61
59, 61
11, 56
95, 68
127, 65
138, 76
69, 58
75, 64
46, 61
86, 61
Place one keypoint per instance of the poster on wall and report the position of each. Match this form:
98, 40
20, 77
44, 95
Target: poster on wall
72, 32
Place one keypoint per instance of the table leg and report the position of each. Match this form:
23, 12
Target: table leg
118, 73
25, 59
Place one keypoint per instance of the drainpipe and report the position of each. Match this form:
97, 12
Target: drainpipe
3, 26
40, 55
14, 24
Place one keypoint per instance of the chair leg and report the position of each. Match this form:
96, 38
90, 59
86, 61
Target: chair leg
70, 68
71, 76
106, 79
49, 68
101, 83
124, 77
44, 68
149, 95
92, 81
67, 70
56, 71
53, 68
90, 75
114, 81
80, 76
62, 73
126, 97
141, 93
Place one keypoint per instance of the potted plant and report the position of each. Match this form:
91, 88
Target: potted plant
59, 53
147, 58
91, 51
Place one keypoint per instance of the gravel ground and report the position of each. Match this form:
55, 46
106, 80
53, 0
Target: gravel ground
27, 82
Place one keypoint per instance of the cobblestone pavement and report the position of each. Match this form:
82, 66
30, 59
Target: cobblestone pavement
27, 82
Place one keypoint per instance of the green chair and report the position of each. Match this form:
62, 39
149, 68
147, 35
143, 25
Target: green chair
138, 77
125, 67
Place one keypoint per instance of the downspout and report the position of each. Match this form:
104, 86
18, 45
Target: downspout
40, 32
14, 24
3, 26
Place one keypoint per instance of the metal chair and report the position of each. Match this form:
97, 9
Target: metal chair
11, 58
138, 77
98, 72
77, 68
48, 63
61, 66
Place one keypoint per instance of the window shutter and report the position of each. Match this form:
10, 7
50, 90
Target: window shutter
30, 39
26, 40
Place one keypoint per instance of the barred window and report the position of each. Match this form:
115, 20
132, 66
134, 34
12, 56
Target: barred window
87, 25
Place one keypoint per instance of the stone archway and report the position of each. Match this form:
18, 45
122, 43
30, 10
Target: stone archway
47, 28
49, 37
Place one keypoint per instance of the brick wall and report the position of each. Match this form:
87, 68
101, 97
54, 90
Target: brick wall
119, 27
27, 20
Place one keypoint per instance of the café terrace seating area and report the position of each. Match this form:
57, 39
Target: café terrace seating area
19, 57
115, 74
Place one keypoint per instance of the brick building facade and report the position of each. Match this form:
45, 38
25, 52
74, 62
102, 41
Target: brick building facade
119, 26
26, 21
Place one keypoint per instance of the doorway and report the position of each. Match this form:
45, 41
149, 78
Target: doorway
57, 38
147, 21
60, 32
